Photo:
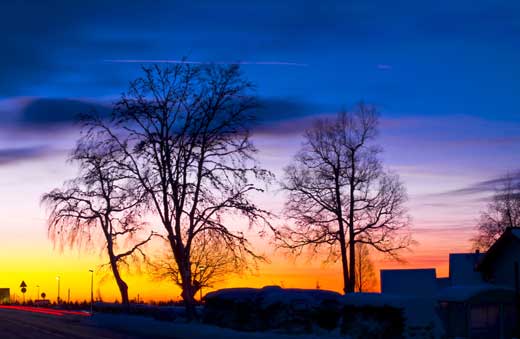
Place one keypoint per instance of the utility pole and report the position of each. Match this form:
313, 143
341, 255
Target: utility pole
58, 278
91, 291
202, 270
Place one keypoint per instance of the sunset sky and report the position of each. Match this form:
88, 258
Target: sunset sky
444, 75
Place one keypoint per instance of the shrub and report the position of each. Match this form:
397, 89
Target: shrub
376, 322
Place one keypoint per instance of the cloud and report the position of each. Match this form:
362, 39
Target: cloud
34, 113
14, 155
486, 186
58, 111
36, 128
172, 61
275, 109
284, 116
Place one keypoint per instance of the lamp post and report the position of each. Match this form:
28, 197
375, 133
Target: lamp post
91, 290
38, 295
202, 269
58, 279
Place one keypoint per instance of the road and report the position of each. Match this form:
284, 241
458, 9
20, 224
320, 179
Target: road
27, 324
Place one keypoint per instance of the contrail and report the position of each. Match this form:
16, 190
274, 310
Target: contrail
170, 61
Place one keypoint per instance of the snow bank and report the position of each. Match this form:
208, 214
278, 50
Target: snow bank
273, 308
297, 311
270, 295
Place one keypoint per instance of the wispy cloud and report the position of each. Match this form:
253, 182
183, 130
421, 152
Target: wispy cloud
486, 186
15, 155
33, 112
173, 61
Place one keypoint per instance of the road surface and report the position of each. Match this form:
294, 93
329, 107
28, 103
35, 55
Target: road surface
28, 324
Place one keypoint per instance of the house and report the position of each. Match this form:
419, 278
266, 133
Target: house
463, 269
397, 282
479, 299
500, 264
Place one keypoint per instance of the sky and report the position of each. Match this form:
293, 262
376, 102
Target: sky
444, 75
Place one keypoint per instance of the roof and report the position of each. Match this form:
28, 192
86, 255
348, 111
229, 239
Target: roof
409, 282
510, 234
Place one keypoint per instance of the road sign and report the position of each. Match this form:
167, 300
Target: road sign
23, 284
24, 290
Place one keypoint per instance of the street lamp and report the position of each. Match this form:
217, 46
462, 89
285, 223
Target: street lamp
58, 279
91, 290
201, 269
38, 295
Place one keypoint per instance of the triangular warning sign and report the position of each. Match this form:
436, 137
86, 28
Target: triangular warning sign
23, 284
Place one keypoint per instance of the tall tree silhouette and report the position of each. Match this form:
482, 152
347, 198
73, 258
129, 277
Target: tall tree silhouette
339, 194
502, 212
100, 200
184, 131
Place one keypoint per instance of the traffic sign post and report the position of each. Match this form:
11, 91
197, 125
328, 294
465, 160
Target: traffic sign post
23, 287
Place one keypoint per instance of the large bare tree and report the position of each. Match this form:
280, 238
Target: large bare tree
99, 201
339, 194
503, 211
184, 131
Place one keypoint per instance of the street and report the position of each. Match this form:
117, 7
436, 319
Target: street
27, 323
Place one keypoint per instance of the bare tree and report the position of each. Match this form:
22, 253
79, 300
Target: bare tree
340, 195
98, 200
502, 212
211, 263
184, 131
365, 273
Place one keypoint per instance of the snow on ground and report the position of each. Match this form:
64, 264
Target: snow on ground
418, 311
150, 328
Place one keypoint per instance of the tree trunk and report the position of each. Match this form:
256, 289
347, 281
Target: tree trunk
342, 240
352, 242
121, 284
186, 284
187, 293
344, 261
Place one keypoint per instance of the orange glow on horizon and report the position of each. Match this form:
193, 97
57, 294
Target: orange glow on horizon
73, 269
